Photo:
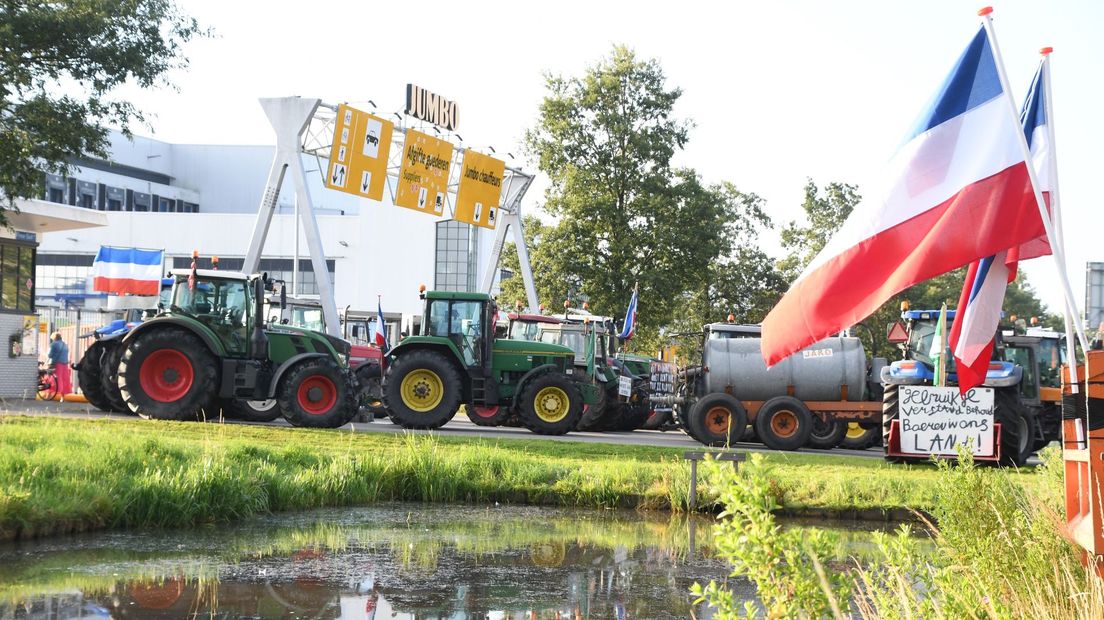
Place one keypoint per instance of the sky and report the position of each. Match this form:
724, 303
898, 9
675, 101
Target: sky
778, 92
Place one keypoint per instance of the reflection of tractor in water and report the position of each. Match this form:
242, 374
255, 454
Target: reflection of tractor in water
457, 360
211, 344
1025, 415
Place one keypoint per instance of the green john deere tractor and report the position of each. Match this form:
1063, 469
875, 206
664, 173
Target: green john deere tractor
457, 360
208, 348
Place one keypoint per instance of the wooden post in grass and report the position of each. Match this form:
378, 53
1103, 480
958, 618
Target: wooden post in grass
696, 455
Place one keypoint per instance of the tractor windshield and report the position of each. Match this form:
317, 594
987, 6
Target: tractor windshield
524, 330
222, 305
461, 321
921, 338
572, 340
1052, 354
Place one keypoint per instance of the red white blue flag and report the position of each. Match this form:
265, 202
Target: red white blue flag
630, 319
979, 306
127, 271
381, 327
956, 191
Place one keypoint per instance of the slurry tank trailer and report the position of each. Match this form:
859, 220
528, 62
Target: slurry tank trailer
807, 399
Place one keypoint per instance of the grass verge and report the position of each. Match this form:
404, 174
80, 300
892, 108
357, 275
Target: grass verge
64, 475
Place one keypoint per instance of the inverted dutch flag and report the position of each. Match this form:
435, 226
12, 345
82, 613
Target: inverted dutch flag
956, 191
630, 319
128, 271
381, 327
979, 306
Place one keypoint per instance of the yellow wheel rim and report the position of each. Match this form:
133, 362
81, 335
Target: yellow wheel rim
422, 390
548, 554
552, 404
854, 431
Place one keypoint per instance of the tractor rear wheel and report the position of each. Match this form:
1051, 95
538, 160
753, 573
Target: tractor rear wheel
255, 410
859, 437
316, 394
784, 423
717, 419
422, 390
1017, 435
168, 374
109, 376
550, 404
826, 434
493, 415
89, 377
891, 410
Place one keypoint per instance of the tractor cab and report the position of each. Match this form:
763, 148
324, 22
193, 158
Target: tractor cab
223, 301
528, 326
918, 365
466, 320
718, 331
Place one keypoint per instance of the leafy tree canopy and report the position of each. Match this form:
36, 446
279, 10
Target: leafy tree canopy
59, 63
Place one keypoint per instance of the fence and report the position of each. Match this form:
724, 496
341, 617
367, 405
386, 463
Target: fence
75, 326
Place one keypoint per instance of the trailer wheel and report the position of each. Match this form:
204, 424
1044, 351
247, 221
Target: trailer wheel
487, 416
717, 420
422, 390
550, 404
89, 377
826, 435
109, 376
315, 393
168, 374
255, 410
784, 423
859, 437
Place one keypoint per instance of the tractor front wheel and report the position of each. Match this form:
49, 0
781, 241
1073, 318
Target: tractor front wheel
89, 377
316, 394
422, 390
550, 404
168, 374
493, 415
860, 437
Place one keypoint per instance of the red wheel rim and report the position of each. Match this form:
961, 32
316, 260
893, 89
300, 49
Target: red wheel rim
166, 375
317, 395
486, 412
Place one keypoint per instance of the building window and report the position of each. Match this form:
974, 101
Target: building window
88, 201
454, 271
16, 271
114, 205
57, 195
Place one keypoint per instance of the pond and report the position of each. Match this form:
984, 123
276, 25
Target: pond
402, 561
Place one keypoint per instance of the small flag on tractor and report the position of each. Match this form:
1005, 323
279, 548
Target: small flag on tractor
630, 317
380, 335
938, 353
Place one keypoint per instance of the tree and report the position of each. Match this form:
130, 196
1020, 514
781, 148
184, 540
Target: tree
825, 211
59, 64
624, 214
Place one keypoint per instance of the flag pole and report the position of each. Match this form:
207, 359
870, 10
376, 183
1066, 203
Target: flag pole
1056, 211
1056, 249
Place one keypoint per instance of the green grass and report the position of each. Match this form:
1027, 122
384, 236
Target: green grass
62, 475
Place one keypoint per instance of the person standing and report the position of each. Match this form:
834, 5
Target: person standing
58, 357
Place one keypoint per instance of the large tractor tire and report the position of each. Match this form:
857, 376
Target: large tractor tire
717, 420
826, 435
422, 390
109, 376
254, 410
168, 374
596, 414
487, 416
315, 393
784, 423
860, 437
550, 404
89, 377
1017, 427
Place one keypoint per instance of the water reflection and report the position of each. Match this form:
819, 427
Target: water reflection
396, 561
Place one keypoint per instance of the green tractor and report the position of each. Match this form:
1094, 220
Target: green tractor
456, 360
208, 349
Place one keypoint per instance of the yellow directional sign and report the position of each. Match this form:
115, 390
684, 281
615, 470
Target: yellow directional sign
423, 178
358, 157
480, 189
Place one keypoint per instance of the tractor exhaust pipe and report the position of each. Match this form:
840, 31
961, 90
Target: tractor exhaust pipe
258, 340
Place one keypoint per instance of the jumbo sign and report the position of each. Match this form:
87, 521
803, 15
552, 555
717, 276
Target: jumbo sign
431, 107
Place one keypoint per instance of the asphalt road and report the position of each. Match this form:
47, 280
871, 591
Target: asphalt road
460, 426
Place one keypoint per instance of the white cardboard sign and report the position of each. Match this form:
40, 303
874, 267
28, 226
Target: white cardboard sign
624, 386
936, 420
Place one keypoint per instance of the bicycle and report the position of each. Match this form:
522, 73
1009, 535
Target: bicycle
47, 382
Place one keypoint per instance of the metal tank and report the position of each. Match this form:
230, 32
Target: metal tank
816, 372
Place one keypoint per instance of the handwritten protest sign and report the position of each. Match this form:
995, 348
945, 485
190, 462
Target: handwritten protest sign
937, 420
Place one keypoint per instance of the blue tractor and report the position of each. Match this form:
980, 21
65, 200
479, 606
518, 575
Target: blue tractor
1017, 425
98, 369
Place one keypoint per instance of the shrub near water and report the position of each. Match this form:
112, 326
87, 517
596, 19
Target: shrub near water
998, 553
